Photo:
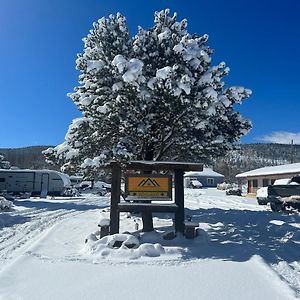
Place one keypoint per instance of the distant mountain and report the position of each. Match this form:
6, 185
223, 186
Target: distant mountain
254, 156
27, 157
246, 157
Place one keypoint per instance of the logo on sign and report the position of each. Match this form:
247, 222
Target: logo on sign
149, 183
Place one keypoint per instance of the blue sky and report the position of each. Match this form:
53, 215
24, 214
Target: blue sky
259, 40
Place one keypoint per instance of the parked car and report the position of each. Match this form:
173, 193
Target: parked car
285, 195
225, 186
101, 188
262, 196
195, 184
262, 193
234, 192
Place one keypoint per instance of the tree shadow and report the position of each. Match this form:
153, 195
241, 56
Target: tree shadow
13, 217
237, 235
7, 220
58, 205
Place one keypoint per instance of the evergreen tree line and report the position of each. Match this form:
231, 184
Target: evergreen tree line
246, 157
25, 158
253, 156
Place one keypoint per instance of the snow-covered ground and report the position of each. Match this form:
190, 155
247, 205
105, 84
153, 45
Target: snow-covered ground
244, 251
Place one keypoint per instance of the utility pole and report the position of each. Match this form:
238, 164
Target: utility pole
292, 151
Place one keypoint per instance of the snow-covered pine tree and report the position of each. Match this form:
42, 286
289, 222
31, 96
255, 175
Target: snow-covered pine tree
4, 163
151, 97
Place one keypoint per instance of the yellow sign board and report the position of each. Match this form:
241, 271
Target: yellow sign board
149, 186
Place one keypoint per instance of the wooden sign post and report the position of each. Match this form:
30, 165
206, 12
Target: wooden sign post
144, 188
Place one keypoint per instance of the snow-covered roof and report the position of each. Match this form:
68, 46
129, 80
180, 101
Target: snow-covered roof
205, 172
283, 169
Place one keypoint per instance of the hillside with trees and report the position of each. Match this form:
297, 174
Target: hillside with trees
253, 156
247, 157
27, 157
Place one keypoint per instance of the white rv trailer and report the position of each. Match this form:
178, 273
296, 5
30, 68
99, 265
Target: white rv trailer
36, 182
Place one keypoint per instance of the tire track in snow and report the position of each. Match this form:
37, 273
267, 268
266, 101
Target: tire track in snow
14, 240
21, 227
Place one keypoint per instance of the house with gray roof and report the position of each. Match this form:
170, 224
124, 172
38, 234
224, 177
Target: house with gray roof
208, 178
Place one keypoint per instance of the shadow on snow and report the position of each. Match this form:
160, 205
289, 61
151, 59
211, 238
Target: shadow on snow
11, 217
7, 220
237, 235
58, 205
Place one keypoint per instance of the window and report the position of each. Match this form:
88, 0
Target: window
255, 183
210, 181
2, 179
265, 182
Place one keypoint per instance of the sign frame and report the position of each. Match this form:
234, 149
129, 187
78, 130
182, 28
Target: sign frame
145, 187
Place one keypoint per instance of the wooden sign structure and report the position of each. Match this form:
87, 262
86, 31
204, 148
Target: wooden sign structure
148, 187
177, 168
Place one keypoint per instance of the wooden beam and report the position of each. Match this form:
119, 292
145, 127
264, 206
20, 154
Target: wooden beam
115, 198
159, 165
147, 207
163, 165
179, 201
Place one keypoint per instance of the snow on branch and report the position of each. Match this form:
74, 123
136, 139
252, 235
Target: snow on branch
155, 95
131, 69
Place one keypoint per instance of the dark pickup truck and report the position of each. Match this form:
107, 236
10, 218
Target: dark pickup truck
287, 195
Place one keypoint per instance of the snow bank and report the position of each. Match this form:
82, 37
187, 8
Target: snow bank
5, 204
121, 246
124, 247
